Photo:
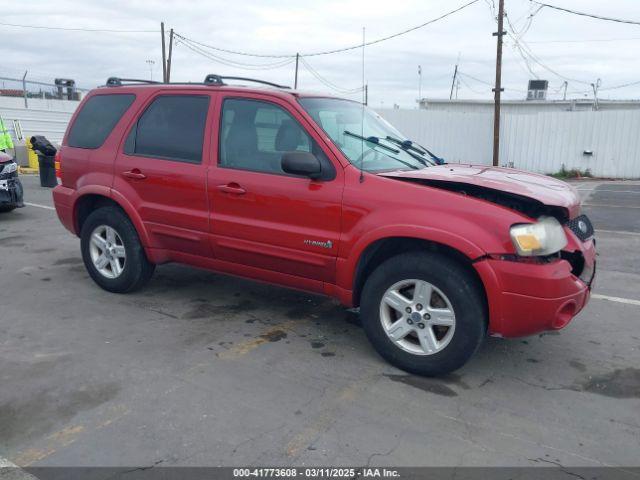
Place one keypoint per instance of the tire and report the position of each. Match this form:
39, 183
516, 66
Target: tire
7, 208
453, 290
133, 270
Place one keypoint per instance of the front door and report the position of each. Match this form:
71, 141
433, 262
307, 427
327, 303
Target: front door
260, 216
161, 171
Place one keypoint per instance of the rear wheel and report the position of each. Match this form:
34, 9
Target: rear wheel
112, 252
424, 313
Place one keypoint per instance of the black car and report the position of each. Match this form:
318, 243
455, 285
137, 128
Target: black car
10, 186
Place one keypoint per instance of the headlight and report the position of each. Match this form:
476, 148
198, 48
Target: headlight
537, 239
8, 168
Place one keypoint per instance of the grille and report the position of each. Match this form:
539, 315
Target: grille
582, 227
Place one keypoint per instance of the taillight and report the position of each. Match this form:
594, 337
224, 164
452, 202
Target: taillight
58, 165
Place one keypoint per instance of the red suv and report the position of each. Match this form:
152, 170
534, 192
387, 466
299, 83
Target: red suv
323, 195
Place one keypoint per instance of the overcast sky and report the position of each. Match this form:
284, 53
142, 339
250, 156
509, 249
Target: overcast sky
570, 47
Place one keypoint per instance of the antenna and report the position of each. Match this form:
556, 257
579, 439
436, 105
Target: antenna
364, 100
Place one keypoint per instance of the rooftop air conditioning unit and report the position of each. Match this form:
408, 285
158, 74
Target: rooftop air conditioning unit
537, 90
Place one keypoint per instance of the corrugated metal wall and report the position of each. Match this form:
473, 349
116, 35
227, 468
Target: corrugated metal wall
49, 123
43, 117
541, 142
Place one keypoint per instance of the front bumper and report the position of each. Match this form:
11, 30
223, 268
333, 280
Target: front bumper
527, 298
11, 192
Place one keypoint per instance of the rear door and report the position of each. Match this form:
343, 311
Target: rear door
161, 169
260, 216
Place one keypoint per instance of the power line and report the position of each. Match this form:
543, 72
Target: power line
487, 83
337, 50
233, 63
526, 50
470, 87
328, 83
99, 30
586, 40
631, 84
584, 14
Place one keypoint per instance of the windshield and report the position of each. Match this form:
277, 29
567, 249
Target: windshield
366, 139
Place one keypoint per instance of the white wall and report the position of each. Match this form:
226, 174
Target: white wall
43, 117
539, 142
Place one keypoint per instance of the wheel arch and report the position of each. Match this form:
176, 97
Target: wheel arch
380, 250
89, 201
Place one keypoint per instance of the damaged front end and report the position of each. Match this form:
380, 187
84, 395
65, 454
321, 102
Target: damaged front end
535, 196
11, 191
526, 205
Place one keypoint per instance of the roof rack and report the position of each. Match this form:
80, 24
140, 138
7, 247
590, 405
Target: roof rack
218, 80
116, 81
211, 80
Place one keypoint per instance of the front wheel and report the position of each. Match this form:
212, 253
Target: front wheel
112, 252
424, 313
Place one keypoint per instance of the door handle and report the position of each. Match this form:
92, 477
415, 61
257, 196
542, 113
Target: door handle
232, 188
135, 173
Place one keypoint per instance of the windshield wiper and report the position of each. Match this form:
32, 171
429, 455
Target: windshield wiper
408, 146
371, 139
376, 141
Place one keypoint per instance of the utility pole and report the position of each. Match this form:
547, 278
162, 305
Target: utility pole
164, 55
419, 85
453, 81
498, 88
169, 58
295, 82
595, 87
455, 77
24, 88
151, 63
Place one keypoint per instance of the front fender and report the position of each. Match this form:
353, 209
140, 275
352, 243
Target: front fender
347, 265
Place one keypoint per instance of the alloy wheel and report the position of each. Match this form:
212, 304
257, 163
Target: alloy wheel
107, 251
417, 316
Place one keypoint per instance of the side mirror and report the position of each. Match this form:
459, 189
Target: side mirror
301, 163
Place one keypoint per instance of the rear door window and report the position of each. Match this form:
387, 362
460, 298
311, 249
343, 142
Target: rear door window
96, 120
171, 128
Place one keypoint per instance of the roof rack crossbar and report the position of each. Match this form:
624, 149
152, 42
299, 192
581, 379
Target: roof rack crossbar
117, 81
218, 80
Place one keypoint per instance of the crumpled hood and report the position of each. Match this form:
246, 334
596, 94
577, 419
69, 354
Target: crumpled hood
547, 190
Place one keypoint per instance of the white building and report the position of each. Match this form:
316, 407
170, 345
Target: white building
526, 106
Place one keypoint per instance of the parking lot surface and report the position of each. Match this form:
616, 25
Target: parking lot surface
204, 369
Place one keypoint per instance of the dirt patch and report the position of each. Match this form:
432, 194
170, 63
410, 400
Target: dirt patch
26, 418
578, 365
274, 336
13, 241
621, 383
204, 310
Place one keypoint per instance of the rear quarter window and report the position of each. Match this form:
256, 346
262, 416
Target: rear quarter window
98, 117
